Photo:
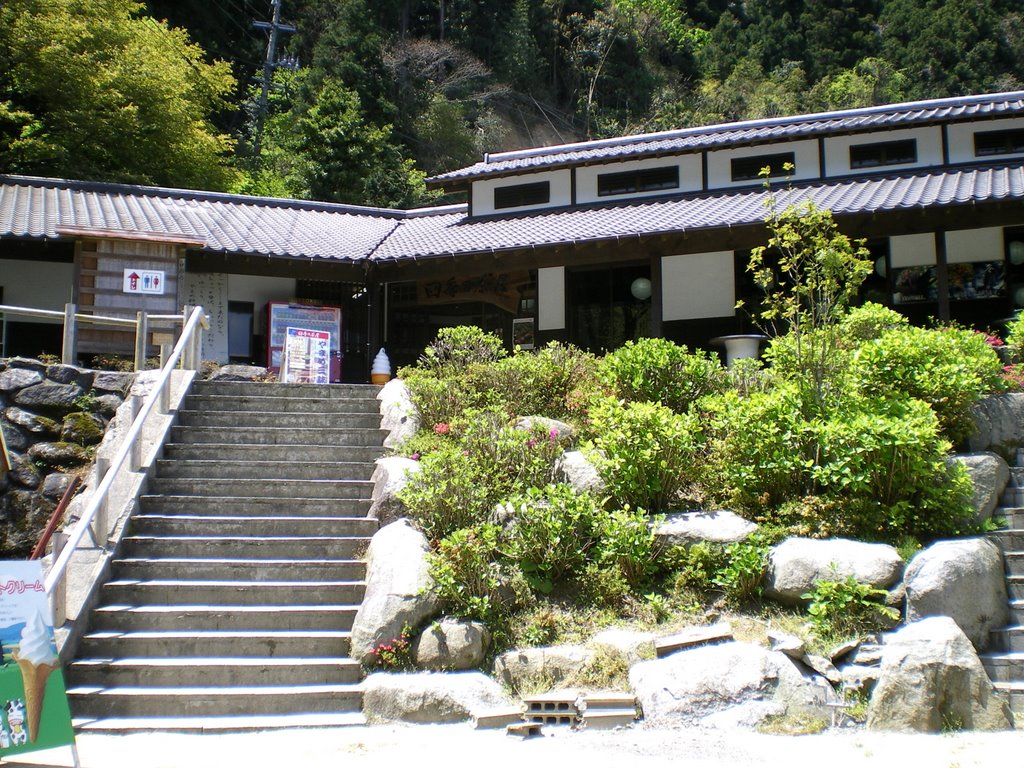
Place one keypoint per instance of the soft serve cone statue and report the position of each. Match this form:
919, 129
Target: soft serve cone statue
37, 661
380, 373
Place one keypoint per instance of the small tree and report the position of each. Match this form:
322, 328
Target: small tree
809, 271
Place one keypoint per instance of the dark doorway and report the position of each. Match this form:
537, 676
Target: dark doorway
608, 307
240, 324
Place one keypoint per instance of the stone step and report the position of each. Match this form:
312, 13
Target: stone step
212, 701
244, 547
1014, 516
1014, 561
1013, 496
283, 404
280, 420
1009, 539
276, 389
1015, 587
241, 525
1015, 694
141, 618
266, 488
207, 671
278, 436
1008, 639
287, 470
1004, 667
201, 569
221, 724
277, 453
184, 644
182, 592
255, 506
1017, 476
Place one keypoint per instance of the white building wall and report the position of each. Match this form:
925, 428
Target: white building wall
698, 285
912, 250
550, 298
805, 155
837, 149
37, 284
689, 177
961, 138
968, 245
483, 191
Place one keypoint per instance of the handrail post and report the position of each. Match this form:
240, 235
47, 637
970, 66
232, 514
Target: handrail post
186, 359
135, 460
59, 595
99, 522
141, 334
69, 348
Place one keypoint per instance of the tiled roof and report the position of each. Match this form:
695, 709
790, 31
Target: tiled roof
752, 131
230, 223
459, 234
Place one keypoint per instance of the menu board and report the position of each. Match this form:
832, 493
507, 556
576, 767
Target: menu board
281, 317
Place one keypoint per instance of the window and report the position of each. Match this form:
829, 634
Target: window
998, 142
631, 182
883, 153
749, 168
517, 195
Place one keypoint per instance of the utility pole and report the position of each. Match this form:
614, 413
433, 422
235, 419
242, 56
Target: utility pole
276, 27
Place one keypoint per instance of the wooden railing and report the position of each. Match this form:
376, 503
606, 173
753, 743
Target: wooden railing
94, 516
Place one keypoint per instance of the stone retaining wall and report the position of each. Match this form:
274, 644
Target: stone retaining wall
52, 418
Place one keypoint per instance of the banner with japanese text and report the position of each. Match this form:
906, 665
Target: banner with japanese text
307, 357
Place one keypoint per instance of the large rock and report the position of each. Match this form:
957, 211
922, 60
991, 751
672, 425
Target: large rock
998, 424
795, 565
577, 470
389, 477
82, 428
113, 381
49, 396
990, 474
37, 425
555, 429
962, 579
60, 454
430, 697
449, 644
239, 373
70, 374
699, 686
932, 680
527, 668
399, 590
685, 528
19, 378
634, 645
398, 414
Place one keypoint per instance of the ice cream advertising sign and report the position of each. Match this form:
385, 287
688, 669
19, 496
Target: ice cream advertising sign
33, 704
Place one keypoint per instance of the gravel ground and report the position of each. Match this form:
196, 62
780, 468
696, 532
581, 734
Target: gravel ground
642, 745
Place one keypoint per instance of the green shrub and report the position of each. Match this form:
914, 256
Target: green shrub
868, 322
556, 381
659, 371
626, 543
645, 452
741, 576
694, 567
948, 368
845, 608
455, 349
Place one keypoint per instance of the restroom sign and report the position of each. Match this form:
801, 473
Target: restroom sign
143, 281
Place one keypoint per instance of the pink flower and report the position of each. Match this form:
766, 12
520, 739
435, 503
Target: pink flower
442, 428
553, 436
531, 443
415, 455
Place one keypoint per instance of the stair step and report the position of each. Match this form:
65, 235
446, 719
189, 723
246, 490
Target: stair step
1008, 639
279, 436
282, 404
1014, 693
242, 525
1014, 560
200, 671
242, 570
221, 724
278, 420
243, 469
1013, 496
1015, 587
1004, 667
222, 617
181, 592
230, 452
244, 547
184, 644
255, 506
267, 488
276, 389
93, 701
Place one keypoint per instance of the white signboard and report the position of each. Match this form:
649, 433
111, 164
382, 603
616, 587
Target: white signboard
143, 281
210, 291
307, 357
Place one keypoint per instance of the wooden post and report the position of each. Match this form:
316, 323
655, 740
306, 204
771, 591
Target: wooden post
69, 351
141, 334
100, 529
135, 458
59, 596
186, 355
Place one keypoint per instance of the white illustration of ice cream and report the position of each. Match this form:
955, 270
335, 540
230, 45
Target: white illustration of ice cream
36, 660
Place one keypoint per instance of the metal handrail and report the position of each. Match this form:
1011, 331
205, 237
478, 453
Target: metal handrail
7, 309
55, 518
186, 351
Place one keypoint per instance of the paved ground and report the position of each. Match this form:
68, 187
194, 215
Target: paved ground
640, 746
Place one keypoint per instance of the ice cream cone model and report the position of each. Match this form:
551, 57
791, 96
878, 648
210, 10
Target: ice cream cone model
36, 660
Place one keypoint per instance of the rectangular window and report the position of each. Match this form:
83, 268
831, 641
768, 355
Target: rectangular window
883, 153
749, 168
631, 182
998, 142
517, 195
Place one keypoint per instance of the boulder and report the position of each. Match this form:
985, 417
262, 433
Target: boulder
963, 579
990, 474
70, 374
399, 590
932, 680
113, 381
576, 469
24, 472
37, 425
49, 396
685, 528
60, 454
788, 644
389, 477
239, 373
107, 405
632, 644
14, 437
82, 428
859, 678
795, 565
55, 484
528, 668
398, 414
998, 424
695, 686
18, 378
450, 644
555, 429
430, 697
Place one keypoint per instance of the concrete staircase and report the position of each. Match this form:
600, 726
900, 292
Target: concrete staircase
1005, 661
237, 581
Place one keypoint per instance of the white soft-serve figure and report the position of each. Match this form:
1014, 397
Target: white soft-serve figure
37, 661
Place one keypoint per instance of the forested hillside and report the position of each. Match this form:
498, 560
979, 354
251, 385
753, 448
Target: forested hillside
372, 95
